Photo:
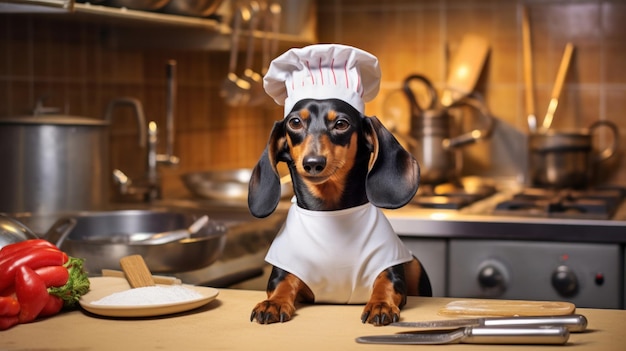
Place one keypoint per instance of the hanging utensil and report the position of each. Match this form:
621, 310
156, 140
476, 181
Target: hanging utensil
558, 86
234, 90
528, 72
269, 47
475, 335
254, 79
276, 12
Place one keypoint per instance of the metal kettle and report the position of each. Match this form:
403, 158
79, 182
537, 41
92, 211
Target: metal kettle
437, 133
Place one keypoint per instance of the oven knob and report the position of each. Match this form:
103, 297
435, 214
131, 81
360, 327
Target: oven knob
564, 281
492, 277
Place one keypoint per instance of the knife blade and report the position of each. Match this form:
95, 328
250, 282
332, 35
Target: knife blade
574, 322
475, 335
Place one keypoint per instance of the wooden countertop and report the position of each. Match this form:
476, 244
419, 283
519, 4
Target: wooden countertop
224, 324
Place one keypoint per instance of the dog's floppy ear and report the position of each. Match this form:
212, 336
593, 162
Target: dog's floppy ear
264, 186
394, 173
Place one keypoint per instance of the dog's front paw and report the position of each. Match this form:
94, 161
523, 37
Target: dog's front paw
272, 311
380, 313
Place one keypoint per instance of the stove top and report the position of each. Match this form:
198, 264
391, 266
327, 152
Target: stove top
592, 203
453, 195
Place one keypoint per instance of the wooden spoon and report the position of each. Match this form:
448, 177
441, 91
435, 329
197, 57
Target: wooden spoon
136, 271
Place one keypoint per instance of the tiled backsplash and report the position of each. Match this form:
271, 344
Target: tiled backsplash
77, 66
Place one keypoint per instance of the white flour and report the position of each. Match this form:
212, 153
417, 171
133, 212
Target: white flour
149, 295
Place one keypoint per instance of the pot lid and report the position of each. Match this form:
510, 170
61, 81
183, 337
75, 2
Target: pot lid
61, 120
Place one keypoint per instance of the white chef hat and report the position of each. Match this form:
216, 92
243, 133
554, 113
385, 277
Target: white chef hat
323, 71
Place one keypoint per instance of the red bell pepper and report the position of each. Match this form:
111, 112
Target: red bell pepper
14, 254
8, 322
9, 306
31, 293
52, 307
23, 245
37, 258
53, 276
38, 280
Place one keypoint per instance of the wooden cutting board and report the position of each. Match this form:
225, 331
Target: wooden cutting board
478, 307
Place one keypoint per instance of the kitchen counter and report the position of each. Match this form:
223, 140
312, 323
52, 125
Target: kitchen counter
476, 222
223, 325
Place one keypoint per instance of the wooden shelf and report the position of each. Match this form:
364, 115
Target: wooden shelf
149, 29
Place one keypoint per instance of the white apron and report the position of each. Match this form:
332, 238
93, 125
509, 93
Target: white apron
338, 254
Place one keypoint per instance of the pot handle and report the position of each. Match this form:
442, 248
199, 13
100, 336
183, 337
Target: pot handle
610, 150
474, 101
60, 230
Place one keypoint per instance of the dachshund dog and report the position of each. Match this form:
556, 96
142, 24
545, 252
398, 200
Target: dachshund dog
338, 159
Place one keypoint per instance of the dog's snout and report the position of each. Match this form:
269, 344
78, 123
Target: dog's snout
314, 164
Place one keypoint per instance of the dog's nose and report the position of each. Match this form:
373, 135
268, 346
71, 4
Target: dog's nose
314, 164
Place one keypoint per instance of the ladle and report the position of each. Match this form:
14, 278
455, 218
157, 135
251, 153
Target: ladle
269, 48
249, 74
236, 91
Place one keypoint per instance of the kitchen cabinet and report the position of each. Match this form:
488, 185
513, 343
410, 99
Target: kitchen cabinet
146, 29
432, 253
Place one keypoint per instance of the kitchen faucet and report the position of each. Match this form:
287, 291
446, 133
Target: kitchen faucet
151, 190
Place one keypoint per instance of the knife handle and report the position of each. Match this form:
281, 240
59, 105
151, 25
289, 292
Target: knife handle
526, 335
573, 322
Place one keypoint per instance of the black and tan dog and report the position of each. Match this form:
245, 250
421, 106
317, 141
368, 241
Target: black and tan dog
338, 159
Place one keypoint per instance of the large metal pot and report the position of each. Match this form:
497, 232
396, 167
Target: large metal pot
102, 238
58, 163
566, 159
439, 140
53, 163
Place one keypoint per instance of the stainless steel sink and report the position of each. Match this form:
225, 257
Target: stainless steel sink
239, 251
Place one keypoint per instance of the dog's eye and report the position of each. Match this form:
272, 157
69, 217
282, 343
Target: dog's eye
295, 123
341, 124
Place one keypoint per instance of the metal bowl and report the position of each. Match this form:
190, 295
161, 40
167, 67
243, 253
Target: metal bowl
225, 185
195, 8
13, 231
98, 237
146, 5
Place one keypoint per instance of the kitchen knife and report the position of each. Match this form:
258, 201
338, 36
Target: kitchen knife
574, 322
475, 335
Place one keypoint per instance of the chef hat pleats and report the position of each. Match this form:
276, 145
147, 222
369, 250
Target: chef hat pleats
323, 71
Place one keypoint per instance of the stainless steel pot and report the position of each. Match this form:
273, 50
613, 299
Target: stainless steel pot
58, 163
566, 159
439, 139
102, 238
52, 163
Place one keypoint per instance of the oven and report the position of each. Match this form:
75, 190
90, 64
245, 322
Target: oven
523, 243
587, 274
